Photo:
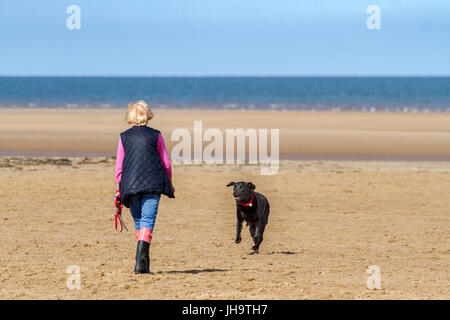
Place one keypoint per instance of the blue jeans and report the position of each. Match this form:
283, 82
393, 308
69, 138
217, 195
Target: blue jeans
144, 209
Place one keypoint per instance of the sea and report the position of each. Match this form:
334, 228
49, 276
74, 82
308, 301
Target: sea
371, 94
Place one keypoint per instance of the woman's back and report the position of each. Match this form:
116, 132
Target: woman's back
142, 169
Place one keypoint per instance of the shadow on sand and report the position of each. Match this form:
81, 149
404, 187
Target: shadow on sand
192, 271
211, 270
283, 252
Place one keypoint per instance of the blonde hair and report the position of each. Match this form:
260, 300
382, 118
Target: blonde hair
138, 113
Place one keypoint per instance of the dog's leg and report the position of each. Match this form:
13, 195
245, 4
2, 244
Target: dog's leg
238, 227
238, 231
261, 233
258, 236
253, 233
252, 230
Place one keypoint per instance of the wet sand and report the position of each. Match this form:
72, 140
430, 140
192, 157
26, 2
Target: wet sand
303, 135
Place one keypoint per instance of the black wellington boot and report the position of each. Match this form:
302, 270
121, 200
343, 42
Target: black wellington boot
142, 257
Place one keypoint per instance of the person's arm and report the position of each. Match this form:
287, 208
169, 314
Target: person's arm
165, 158
119, 162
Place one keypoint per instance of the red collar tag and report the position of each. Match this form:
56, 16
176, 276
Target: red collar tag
248, 204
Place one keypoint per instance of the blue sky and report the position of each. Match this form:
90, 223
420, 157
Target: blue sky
224, 37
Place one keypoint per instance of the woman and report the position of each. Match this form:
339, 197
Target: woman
143, 173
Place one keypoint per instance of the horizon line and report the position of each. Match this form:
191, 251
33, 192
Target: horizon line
227, 76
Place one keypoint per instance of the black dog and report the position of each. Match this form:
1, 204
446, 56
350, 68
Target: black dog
252, 207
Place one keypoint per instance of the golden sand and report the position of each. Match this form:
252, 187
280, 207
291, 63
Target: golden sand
329, 221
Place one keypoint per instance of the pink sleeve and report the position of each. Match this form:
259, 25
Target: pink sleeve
119, 161
163, 154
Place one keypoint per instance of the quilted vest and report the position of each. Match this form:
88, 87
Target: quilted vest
142, 168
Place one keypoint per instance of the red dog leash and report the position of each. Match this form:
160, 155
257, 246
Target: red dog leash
118, 213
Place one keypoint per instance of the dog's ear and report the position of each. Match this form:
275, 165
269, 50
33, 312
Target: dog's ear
231, 184
251, 185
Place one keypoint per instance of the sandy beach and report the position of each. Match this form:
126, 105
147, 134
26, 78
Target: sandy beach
330, 220
303, 135
337, 112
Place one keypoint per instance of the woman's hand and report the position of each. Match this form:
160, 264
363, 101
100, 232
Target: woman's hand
171, 184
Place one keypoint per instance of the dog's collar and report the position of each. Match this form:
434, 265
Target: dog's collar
248, 204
